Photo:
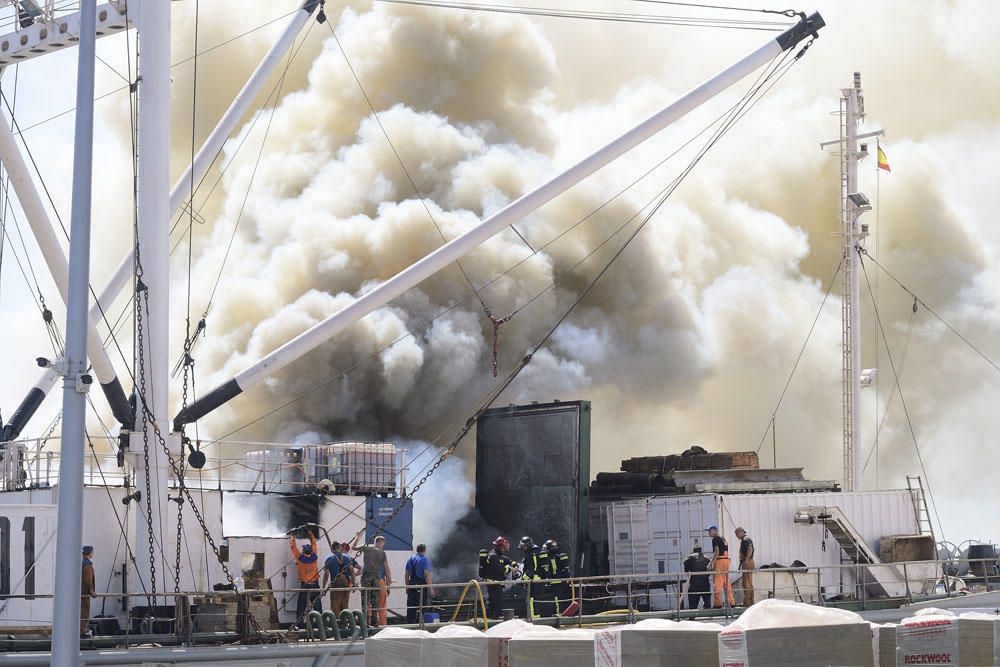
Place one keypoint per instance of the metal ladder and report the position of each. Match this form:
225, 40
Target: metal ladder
915, 485
847, 334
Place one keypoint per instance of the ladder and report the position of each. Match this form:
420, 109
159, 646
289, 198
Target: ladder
915, 485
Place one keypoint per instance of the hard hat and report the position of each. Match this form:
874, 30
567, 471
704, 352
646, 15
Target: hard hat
526, 543
551, 544
501, 543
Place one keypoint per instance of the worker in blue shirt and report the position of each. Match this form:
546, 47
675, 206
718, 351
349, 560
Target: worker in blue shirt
418, 573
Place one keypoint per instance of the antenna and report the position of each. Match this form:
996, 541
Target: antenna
853, 205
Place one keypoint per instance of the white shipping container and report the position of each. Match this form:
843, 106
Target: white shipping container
653, 536
768, 521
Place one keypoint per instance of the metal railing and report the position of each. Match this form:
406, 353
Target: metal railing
355, 468
256, 616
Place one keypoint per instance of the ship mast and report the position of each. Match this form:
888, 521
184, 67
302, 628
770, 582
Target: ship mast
152, 360
852, 205
76, 382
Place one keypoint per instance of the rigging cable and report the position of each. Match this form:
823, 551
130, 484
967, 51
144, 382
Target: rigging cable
519, 263
902, 400
423, 200
612, 17
930, 310
873, 450
253, 173
735, 113
498, 389
188, 361
6, 188
812, 327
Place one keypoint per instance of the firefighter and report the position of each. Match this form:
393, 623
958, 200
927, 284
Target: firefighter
494, 568
557, 571
531, 571
699, 587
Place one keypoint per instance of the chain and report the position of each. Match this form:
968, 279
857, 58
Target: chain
189, 499
141, 288
469, 423
180, 529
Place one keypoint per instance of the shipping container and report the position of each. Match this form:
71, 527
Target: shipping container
654, 535
398, 532
532, 473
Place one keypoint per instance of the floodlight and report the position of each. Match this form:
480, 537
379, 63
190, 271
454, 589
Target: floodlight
860, 201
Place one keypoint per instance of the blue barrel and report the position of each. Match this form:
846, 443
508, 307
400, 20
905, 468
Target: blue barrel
432, 617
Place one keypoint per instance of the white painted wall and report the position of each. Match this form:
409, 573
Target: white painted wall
653, 535
22, 611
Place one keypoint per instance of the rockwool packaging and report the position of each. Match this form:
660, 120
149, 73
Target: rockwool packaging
884, 644
781, 632
658, 642
394, 647
938, 637
455, 646
497, 637
547, 647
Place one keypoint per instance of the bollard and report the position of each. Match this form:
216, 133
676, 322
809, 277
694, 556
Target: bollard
314, 626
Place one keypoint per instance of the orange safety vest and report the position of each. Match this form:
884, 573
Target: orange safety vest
307, 565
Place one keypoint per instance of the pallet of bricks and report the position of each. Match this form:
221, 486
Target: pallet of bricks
216, 613
231, 612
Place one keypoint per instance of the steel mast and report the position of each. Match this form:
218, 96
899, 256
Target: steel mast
66, 608
152, 363
852, 205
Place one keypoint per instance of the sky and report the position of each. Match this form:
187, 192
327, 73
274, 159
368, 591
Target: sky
692, 335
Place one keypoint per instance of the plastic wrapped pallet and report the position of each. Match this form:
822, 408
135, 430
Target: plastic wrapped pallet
543, 646
781, 632
884, 644
395, 647
658, 642
455, 646
497, 637
938, 637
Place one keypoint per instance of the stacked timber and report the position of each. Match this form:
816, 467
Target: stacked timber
695, 458
780, 632
658, 642
653, 474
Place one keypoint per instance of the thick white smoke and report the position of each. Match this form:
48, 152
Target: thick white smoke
691, 336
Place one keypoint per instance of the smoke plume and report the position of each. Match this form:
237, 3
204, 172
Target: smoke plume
691, 335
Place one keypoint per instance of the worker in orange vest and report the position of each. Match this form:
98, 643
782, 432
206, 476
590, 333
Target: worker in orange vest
307, 563
720, 565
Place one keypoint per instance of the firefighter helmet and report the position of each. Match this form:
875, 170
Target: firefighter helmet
501, 543
526, 543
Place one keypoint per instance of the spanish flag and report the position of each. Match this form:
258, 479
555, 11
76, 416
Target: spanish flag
883, 161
